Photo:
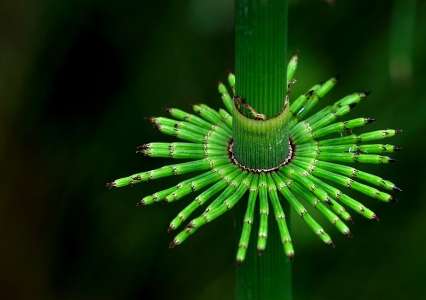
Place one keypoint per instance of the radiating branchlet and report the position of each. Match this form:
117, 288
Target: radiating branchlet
315, 176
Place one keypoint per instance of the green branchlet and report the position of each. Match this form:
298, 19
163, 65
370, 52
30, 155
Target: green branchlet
314, 175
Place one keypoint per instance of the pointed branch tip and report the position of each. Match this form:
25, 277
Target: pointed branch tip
110, 185
140, 204
151, 119
172, 244
397, 189
142, 148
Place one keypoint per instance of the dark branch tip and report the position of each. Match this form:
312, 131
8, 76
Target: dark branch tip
151, 120
141, 204
396, 189
142, 148
111, 185
370, 120
375, 218
172, 244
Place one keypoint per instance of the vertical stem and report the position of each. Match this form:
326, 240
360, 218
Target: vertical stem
261, 53
267, 276
261, 80
260, 56
260, 144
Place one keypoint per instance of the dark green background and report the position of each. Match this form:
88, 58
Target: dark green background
77, 79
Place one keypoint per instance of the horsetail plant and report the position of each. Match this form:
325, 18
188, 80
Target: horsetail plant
273, 153
313, 164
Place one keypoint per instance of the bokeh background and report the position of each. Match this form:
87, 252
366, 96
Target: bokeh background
77, 79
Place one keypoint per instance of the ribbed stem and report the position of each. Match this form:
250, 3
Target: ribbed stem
260, 144
260, 56
261, 74
267, 276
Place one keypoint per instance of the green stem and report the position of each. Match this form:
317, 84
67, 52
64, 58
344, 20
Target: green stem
261, 74
260, 55
267, 276
260, 144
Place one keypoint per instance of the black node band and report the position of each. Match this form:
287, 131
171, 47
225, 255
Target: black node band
287, 160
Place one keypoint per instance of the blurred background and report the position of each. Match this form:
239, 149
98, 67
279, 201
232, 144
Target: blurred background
78, 78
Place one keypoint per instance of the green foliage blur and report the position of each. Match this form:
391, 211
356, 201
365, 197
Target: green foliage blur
77, 79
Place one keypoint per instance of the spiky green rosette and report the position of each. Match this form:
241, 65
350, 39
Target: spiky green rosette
314, 170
